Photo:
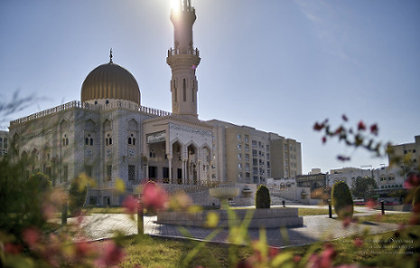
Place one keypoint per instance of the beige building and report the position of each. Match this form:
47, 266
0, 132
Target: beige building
248, 155
4, 143
411, 150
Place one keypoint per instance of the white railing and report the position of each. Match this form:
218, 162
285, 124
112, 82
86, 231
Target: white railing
88, 106
177, 51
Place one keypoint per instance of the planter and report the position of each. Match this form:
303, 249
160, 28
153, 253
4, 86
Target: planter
261, 218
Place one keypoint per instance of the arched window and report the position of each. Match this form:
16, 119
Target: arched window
88, 140
65, 140
108, 139
175, 91
131, 139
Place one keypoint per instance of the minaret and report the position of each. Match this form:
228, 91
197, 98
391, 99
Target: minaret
183, 60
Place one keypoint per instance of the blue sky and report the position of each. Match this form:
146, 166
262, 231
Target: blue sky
274, 65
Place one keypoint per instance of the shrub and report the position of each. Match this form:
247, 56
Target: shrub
262, 197
342, 200
416, 197
77, 195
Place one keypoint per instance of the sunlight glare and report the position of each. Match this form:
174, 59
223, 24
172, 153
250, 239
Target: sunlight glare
175, 5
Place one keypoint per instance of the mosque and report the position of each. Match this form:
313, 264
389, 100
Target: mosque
109, 134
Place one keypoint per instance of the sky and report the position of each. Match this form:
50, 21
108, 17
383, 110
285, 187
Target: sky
277, 66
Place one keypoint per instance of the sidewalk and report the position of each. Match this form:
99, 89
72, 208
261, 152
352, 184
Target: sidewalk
316, 228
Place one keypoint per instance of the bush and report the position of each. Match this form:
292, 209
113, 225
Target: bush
342, 200
262, 197
77, 195
22, 197
416, 197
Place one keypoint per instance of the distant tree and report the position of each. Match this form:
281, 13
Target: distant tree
342, 200
262, 197
363, 187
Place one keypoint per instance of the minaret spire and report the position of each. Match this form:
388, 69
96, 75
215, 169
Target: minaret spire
183, 59
110, 55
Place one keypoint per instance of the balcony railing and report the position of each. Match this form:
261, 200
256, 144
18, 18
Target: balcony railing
93, 107
177, 51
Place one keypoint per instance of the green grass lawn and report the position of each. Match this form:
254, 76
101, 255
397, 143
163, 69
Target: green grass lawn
315, 211
391, 249
110, 210
388, 218
159, 252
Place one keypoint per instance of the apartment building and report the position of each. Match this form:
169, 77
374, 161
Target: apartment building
249, 155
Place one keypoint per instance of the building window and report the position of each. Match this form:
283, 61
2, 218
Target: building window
131, 172
108, 139
239, 157
246, 157
246, 147
5, 143
247, 167
240, 166
65, 173
176, 94
88, 170
132, 139
88, 140
246, 138
184, 84
65, 141
239, 147
108, 172
239, 137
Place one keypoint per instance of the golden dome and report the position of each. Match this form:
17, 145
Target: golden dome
110, 81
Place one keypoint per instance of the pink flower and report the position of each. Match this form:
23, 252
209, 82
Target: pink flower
154, 197
361, 126
297, 258
327, 255
112, 255
346, 222
31, 236
413, 180
358, 242
13, 249
371, 203
324, 139
273, 252
244, 264
48, 210
83, 249
131, 204
374, 129
318, 126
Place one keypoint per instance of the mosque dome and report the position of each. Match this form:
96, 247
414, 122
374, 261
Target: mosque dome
110, 81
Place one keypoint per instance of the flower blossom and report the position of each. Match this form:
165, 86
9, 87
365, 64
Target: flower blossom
154, 197
131, 204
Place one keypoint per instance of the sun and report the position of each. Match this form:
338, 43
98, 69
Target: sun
175, 5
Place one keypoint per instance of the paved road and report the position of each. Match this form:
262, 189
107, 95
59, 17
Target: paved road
316, 228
